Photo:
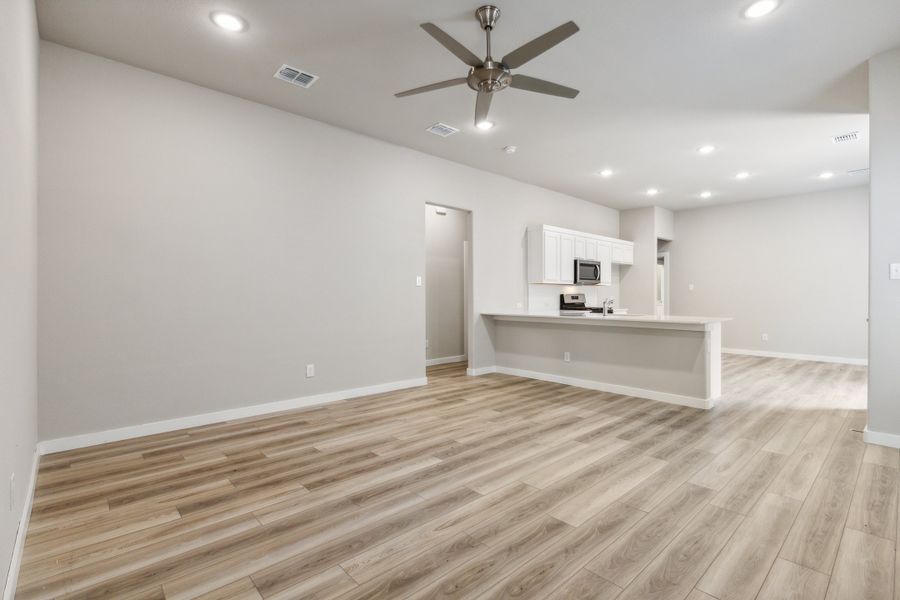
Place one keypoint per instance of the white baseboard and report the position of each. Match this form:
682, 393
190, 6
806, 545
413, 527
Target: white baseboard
124, 433
811, 357
445, 360
603, 387
12, 577
480, 371
891, 440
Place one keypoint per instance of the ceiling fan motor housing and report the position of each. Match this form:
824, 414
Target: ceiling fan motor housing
493, 76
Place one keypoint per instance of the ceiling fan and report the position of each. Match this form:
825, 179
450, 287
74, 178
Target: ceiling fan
488, 76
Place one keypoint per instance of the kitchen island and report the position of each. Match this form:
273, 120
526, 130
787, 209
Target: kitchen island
670, 359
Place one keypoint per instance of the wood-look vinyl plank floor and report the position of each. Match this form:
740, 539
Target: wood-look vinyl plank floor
488, 487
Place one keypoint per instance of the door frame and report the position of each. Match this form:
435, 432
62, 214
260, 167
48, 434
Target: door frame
468, 287
667, 282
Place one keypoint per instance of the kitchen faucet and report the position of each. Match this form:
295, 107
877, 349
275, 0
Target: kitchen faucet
608, 306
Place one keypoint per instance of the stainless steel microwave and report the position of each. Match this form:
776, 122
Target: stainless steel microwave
587, 272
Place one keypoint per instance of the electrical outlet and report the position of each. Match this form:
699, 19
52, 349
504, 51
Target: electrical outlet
310, 370
895, 270
690, 287
518, 305
765, 337
567, 357
418, 281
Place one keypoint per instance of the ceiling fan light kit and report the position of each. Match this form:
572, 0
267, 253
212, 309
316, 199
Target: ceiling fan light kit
488, 76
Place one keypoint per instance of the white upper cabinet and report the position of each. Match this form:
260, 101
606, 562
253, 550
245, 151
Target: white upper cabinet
580, 247
552, 252
550, 257
567, 258
604, 256
623, 253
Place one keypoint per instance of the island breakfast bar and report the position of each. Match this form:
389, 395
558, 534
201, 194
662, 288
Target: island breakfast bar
670, 359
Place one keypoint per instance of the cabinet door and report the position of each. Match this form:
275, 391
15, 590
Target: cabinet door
604, 255
567, 259
580, 251
623, 254
591, 249
551, 257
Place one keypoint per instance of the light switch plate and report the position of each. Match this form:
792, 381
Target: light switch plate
895, 270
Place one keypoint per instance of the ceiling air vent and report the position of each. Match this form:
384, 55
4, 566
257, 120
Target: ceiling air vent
295, 76
442, 129
846, 137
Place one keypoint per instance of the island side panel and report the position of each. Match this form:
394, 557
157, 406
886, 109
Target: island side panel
661, 364
714, 361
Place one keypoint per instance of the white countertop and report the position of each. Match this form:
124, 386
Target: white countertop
641, 321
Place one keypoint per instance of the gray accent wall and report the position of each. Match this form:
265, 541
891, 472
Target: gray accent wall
197, 249
18, 205
884, 293
794, 268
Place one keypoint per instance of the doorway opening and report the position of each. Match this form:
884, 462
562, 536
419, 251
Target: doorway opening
447, 289
662, 284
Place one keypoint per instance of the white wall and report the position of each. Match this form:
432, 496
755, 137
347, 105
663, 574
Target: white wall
445, 235
794, 268
884, 293
194, 246
18, 198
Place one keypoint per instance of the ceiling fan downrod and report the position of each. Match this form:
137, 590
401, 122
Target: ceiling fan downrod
488, 16
493, 75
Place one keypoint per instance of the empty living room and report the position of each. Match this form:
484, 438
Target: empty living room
585, 300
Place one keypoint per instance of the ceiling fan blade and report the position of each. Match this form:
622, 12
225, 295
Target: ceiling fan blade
533, 84
431, 87
539, 45
444, 39
482, 106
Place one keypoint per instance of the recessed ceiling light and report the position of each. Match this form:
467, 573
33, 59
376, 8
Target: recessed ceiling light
484, 125
228, 21
510, 149
605, 173
707, 149
706, 194
652, 192
760, 9
826, 175
742, 175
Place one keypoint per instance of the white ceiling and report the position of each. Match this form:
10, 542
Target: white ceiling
658, 79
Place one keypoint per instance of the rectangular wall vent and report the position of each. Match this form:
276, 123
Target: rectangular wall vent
442, 129
846, 137
295, 76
